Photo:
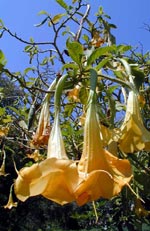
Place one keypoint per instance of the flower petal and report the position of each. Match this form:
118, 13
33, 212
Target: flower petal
101, 173
133, 135
54, 179
95, 185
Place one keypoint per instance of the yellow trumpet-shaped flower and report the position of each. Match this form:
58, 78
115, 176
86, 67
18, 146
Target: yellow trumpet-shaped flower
134, 136
10, 204
43, 130
102, 174
55, 178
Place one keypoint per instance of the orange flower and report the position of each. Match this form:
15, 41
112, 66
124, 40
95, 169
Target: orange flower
134, 136
55, 178
102, 174
74, 93
4, 131
43, 130
97, 41
10, 204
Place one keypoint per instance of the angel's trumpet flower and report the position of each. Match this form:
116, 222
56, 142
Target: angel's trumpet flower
42, 133
43, 130
134, 136
103, 175
56, 177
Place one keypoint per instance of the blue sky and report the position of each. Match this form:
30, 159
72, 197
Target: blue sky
21, 16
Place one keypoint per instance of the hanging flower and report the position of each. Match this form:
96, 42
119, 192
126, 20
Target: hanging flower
43, 130
74, 93
97, 40
56, 177
134, 136
4, 131
10, 204
2, 167
103, 175
36, 156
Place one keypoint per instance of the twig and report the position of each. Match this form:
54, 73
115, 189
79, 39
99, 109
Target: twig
24, 41
78, 34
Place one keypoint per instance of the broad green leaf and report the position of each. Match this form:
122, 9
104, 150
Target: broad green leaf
101, 51
123, 48
75, 50
102, 63
57, 18
62, 4
2, 111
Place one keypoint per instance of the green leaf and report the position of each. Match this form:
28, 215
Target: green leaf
62, 4
29, 69
93, 79
68, 109
123, 48
101, 51
2, 111
86, 38
7, 119
102, 63
28, 48
57, 18
69, 66
75, 50
1, 24
119, 74
31, 40
2, 58
48, 59
43, 12
83, 95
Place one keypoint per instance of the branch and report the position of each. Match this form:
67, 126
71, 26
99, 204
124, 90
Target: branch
30, 89
81, 23
127, 84
24, 41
